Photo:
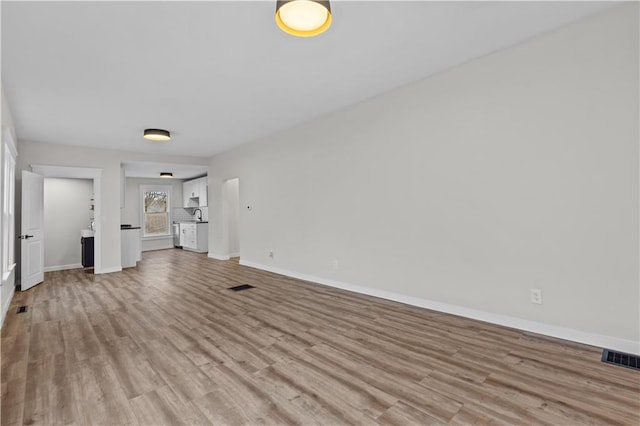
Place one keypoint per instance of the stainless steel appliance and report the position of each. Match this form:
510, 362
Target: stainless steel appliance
176, 235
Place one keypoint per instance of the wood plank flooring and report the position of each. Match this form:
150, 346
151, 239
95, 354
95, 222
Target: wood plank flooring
166, 343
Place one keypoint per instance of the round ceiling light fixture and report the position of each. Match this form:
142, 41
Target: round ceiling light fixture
166, 174
303, 18
157, 135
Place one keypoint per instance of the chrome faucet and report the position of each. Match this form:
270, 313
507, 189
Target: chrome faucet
198, 217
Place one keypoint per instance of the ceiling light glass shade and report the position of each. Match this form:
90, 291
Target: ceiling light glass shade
166, 174
157, 135
303, 18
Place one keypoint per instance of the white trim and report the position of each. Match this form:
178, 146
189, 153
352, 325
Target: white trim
63, 267
160, 248
6, 275
7, 303
68, 172
7, 136
223, 257
157, 237
598, 340
234, 254
8, 155
82, 173
107, 270
196, 250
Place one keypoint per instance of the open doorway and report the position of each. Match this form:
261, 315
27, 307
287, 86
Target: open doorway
95, 177
231, 215
186, 187
68, 209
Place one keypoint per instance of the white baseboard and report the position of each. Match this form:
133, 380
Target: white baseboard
194, 250
156, 248
108, 270
234, 254
6, 304
218, 256
598, 340
62, 267
149, 247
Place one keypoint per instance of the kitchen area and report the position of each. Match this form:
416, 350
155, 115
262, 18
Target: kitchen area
69, 219
163, 206
156, 212
192, 233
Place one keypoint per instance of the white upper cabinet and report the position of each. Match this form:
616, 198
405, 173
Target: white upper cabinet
194, 192
189, 194
202, 191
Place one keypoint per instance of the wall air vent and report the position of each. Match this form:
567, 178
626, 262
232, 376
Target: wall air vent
621, 359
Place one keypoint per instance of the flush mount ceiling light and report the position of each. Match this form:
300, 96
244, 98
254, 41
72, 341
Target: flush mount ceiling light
166, 174
156, 135
303, 18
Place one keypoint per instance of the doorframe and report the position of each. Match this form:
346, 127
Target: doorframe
224, 219
82, 173
237, 218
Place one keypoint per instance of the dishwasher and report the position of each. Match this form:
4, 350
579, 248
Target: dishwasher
176, 235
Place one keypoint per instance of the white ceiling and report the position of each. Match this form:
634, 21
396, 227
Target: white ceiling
219, 74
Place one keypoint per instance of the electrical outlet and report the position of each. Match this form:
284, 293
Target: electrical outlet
271, 255
536, 296
335, 264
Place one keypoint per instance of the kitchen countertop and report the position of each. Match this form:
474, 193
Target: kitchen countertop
125, 227
192, 221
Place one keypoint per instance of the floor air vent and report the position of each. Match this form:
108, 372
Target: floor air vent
21, 309
241, 287
621, 359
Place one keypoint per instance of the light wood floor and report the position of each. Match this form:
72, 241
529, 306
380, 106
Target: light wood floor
166, 343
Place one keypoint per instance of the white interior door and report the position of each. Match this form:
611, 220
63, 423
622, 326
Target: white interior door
32, 237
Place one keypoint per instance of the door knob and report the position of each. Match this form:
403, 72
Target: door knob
25, 237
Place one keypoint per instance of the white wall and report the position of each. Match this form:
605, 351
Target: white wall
463, 191
109, 161
131, 214
66, 212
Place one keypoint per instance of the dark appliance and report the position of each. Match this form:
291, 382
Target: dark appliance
87, 251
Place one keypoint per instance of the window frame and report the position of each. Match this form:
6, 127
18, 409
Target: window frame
8, 156
155, 188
